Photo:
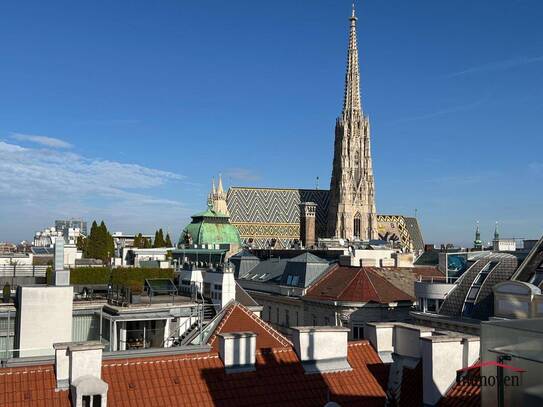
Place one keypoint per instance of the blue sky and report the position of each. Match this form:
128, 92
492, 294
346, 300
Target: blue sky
125, 110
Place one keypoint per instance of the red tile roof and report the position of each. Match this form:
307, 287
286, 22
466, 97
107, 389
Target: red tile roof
30, 386
238, 318
200, 379
427, 271
356, 284
464, 393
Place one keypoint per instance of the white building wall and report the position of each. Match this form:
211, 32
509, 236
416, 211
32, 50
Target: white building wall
45, 318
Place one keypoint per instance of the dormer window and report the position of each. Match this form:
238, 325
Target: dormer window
92, 401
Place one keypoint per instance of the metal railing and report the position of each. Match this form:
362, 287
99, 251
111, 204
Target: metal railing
22, 270
437, 279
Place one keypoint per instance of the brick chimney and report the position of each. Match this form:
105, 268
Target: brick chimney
321, 349
237, 350
307, 223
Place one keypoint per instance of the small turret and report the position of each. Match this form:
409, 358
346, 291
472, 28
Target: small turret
217, 197
477, 243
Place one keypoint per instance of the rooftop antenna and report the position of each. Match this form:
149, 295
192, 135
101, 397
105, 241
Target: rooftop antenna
416, 210
317, 183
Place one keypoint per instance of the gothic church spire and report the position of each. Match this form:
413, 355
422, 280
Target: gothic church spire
351, 212
351, 101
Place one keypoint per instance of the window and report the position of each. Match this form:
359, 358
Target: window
472, 294
297, 319
269, 313
357, 225
314, 320
277, 314
358, 332
96, 400
431, 305
537, 278
326, 321
289, 279
295, 280
287, 318
480, 278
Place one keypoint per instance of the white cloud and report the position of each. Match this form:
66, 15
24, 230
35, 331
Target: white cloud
45, 141
498, 66
41, 183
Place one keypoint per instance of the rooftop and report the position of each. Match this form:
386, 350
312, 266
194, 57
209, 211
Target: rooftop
201, 378
356, 284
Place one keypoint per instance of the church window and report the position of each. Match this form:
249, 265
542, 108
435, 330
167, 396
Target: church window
357, 225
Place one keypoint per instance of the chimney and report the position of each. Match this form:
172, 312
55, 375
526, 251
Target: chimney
380, 335
62, 365
307, 224
321, 349
237, 350
61, 277
442, 356
78, 367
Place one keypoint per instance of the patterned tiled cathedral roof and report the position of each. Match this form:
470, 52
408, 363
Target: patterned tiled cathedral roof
263, 214
274, 205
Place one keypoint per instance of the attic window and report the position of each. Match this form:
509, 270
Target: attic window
92, 401
293, 280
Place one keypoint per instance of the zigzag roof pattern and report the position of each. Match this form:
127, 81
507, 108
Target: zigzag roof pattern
274, 205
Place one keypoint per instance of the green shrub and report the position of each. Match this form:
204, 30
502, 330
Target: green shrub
127, 277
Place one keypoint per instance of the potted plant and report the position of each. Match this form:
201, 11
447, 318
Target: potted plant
135, 294
6, 293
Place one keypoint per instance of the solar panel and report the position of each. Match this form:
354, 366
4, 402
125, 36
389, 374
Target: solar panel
160, 286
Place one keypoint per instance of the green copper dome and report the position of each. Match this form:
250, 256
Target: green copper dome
210, 227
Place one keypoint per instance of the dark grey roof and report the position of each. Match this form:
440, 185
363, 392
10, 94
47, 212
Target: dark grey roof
243, 297
246, 254
430, 258
243, 261
299, 271
268, 270
307, 258
532, 265
412, 225
486, 270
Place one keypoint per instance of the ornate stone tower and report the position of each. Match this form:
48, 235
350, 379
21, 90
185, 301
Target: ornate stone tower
307, 223
217, 198
351, 214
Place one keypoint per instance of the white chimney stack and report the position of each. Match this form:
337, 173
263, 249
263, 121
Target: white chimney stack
237, 350
78, 366
442, 356
321, 349
380, 335
61, 277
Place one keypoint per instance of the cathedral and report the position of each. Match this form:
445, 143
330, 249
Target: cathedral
282, 217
